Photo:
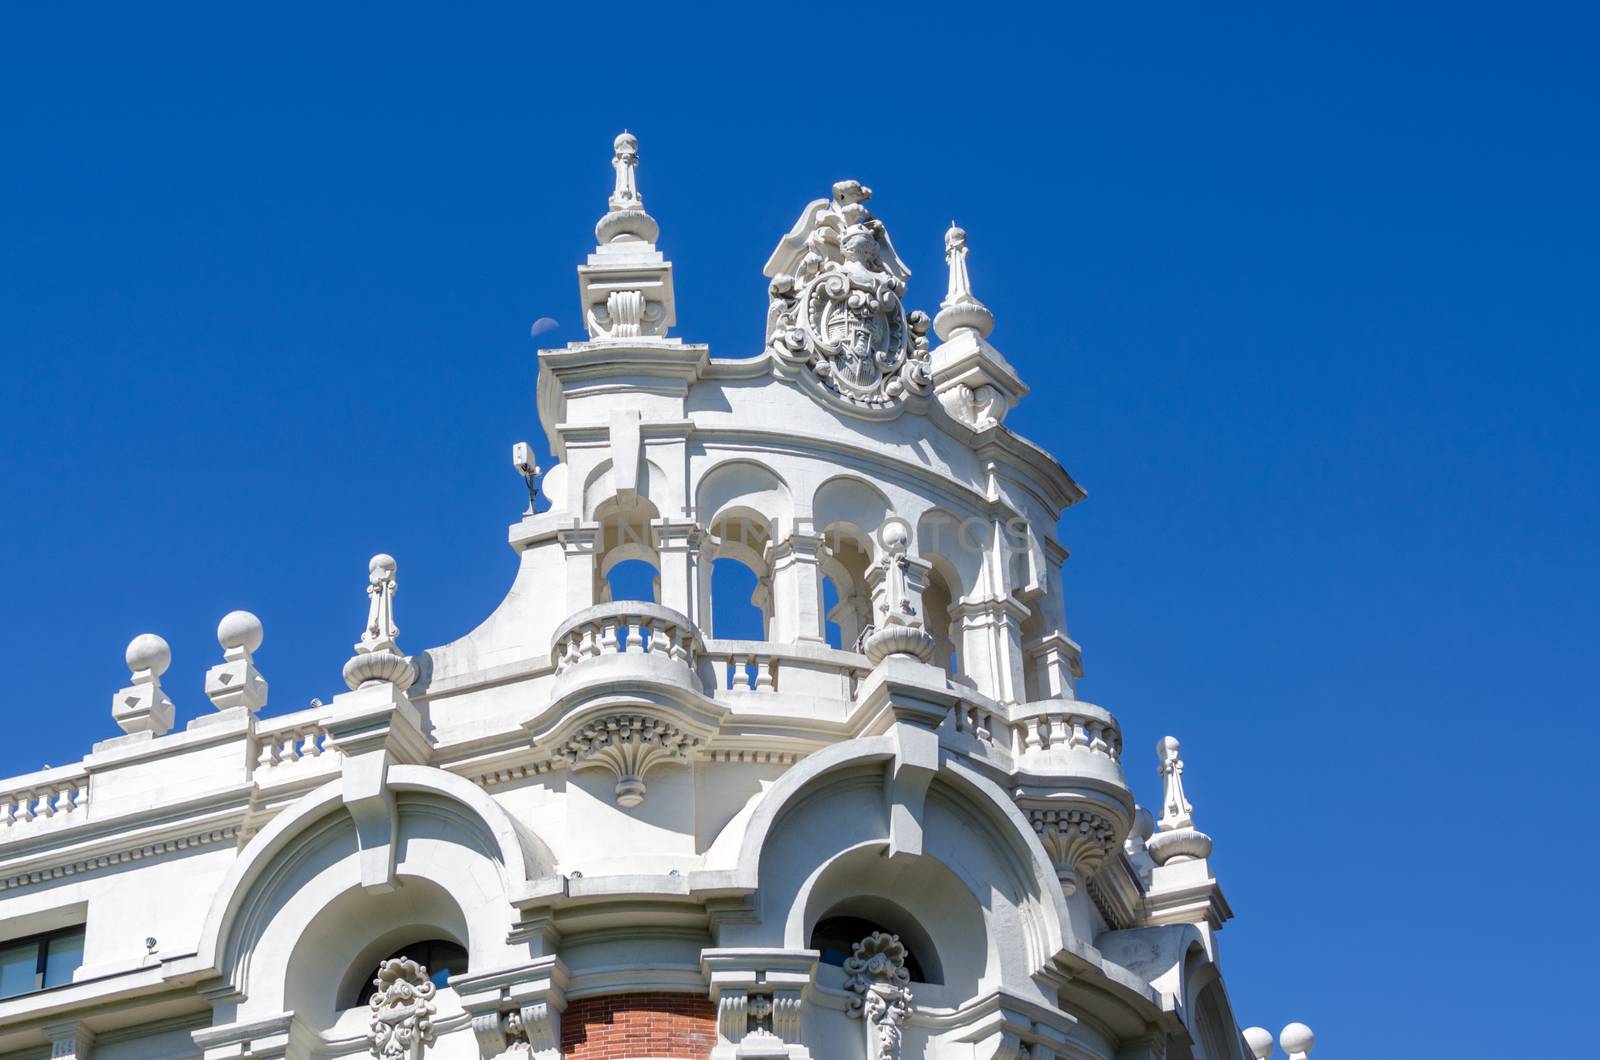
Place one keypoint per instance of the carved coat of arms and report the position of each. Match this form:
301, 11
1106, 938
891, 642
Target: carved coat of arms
836, 306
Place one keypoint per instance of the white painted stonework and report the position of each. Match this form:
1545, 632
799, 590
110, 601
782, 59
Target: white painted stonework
592, 796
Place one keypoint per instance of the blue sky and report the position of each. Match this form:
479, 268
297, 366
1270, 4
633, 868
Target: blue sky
1306, 299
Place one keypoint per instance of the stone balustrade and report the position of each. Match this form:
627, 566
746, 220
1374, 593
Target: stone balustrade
293, 738
624, 627
59, 794
1066, 725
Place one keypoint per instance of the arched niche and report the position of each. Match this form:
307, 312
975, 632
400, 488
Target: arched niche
743, 484
852, 507
292, 922
956, 547
982, 889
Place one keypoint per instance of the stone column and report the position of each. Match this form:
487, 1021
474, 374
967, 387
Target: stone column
579, 544
917, 571
797, 612
1056, 664
990, 646
679, 544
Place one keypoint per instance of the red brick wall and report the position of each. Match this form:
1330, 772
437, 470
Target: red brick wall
618, 1026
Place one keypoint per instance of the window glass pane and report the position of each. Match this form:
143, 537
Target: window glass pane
19, 969
63, 956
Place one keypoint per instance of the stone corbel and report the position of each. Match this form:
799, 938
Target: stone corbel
759, 994
517, 1012
69, 1041
281, 1037
374, 727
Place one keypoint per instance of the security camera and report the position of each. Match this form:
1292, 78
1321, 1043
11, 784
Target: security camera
522, 460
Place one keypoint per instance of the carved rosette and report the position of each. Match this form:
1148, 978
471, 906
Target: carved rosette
880, 989
629, 745
1077, 840
402, 1010
836, 305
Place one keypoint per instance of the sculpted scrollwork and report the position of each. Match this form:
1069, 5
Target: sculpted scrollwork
629, 745
836, 305
402, 1010
880, 988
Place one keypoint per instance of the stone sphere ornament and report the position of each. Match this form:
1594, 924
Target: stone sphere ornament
1259, 1039
1297, 1038
148, 652
240, 629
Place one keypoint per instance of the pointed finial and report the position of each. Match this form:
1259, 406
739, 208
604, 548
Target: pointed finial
378, 657
961, 308
1176, 812
235, 682
625, 220
625, 160
1176, 838
143, 707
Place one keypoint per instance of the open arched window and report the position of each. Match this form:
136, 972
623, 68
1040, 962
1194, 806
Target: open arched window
441, 957
835, 938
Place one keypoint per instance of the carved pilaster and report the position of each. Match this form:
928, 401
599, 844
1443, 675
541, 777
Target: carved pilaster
759, 995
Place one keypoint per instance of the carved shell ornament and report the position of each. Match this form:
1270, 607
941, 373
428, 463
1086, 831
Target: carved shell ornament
836, 307
402, 1010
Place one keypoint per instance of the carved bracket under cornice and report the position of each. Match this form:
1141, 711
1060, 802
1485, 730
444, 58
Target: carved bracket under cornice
630, 745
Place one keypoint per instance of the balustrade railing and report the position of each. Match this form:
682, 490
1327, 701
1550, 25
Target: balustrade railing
284, 741
1067, 725
50, 794
624, 627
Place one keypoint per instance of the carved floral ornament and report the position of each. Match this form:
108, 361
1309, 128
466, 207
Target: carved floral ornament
402, 1010
836, 310
880, 988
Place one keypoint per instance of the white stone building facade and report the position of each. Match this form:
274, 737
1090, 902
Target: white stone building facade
885, 828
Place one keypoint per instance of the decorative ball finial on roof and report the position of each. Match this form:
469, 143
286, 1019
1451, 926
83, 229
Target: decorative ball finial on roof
1259, 1039
1177, 839
235, 682
240, 632
378, 657
148, 656
143, 707
1297, 1040
960, 308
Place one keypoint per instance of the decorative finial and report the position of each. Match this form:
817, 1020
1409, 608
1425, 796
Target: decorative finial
900, 631
625, 220
960, 308
143, 707
1297, 1040
1176, 839
378, 657
235, 682
1259, 1039
625, 160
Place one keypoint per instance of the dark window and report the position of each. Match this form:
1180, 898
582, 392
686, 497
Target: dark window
836, 938
440, 957
40, 962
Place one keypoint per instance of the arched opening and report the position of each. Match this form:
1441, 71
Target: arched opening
937, 601
735, 612
741, 578
441, 958
627, 562
847, 600
632, 579
835, 938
